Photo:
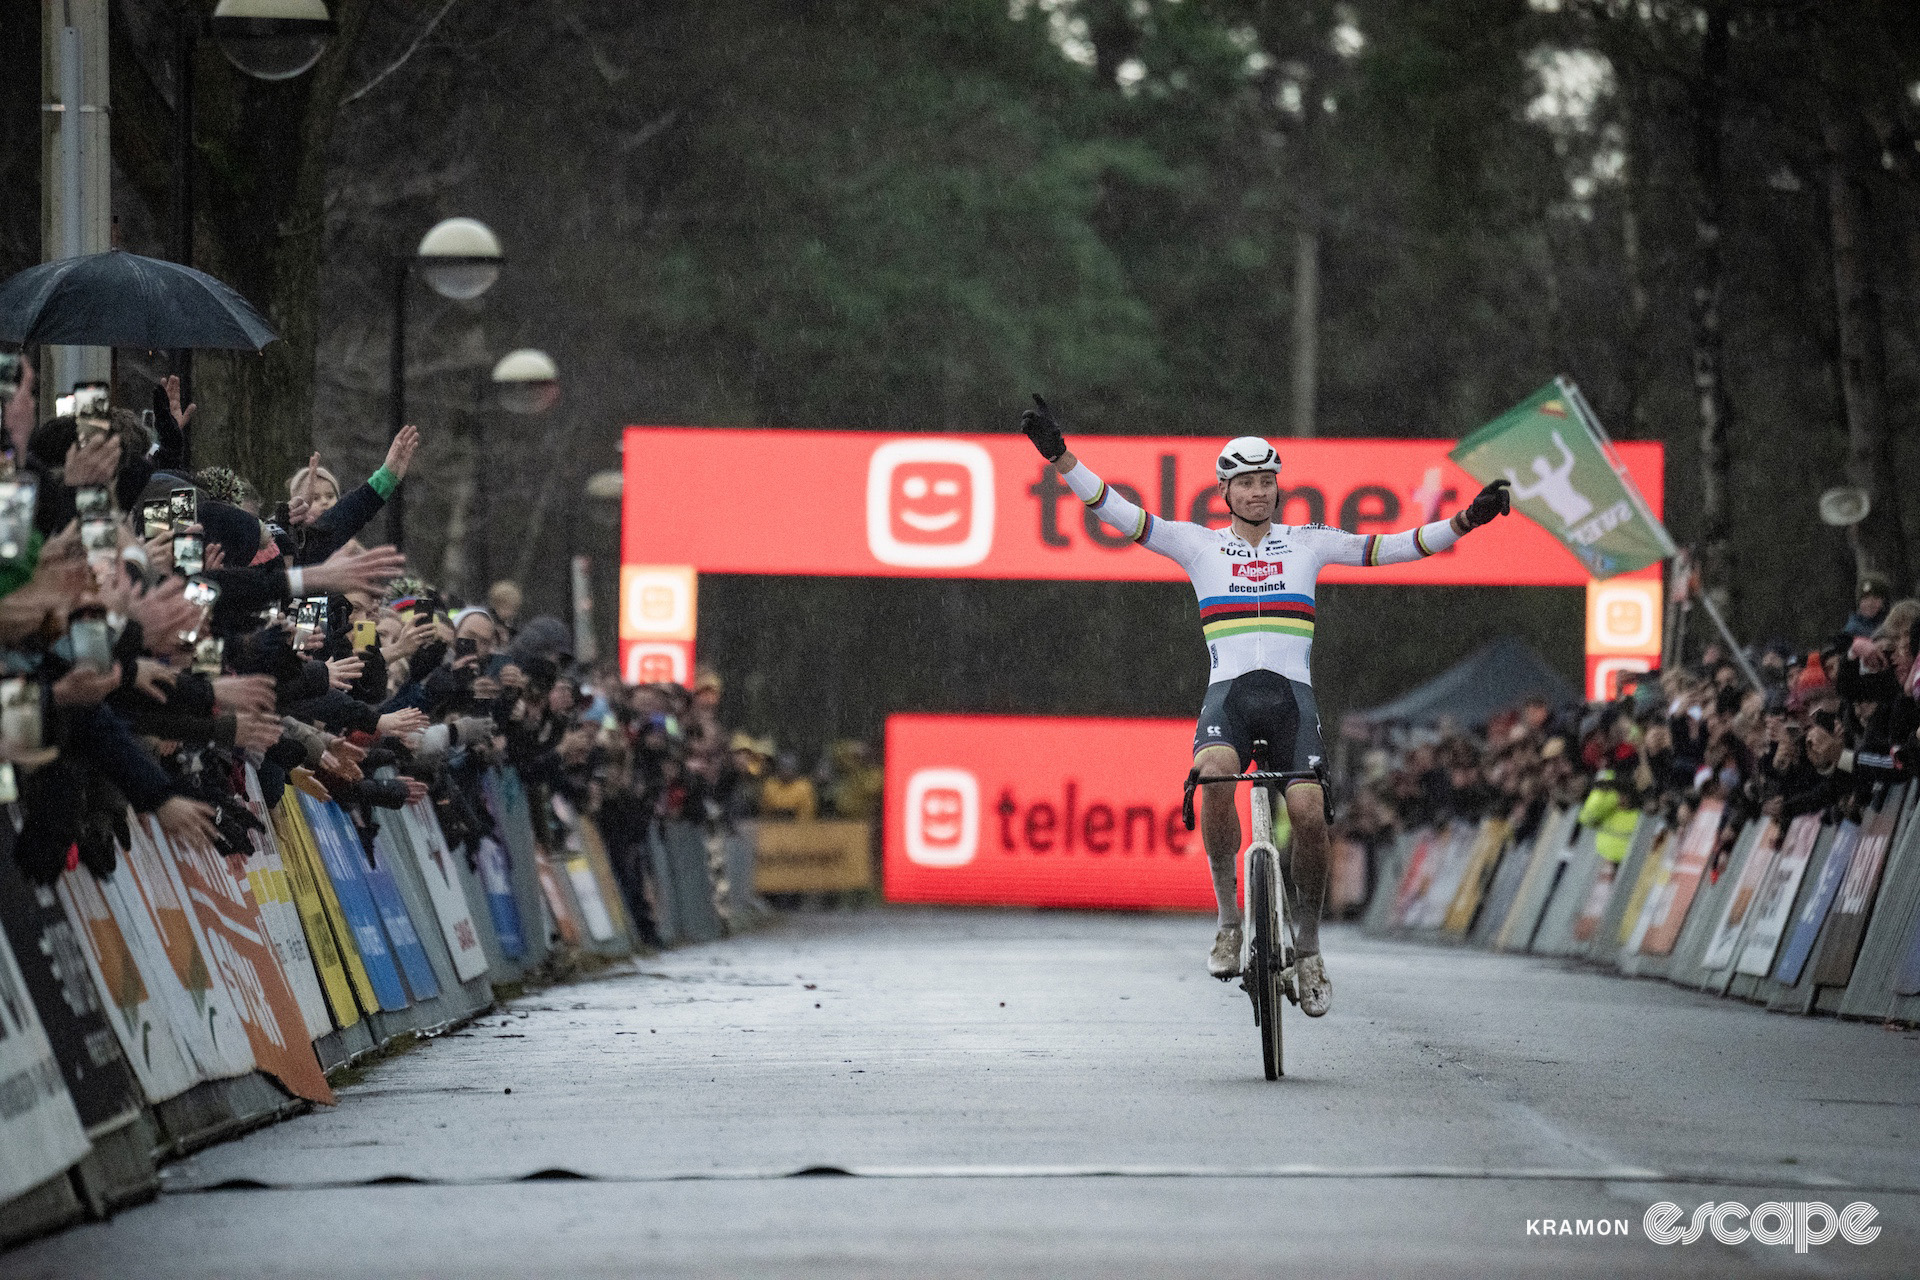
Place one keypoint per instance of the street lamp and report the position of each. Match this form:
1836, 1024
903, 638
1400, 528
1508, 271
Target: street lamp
528, 381
459, 258
267, 39
272, 39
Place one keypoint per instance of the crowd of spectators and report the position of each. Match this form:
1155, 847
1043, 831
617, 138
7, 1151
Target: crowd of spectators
163, 628
680, 762
1820, 731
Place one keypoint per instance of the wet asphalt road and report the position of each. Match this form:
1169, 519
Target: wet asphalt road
1053, 1094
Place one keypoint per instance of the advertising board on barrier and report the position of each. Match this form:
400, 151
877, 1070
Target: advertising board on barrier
496, 878
986, 506
101, 1084
1666, 909
394, 916
1774, 907
227, 925
39, 1130
1041, 811
266, 874
449, 901
136, 1015
1847, 923
203, 1010
345, 868
812, 857
343, 975
1813, 914
1746, 892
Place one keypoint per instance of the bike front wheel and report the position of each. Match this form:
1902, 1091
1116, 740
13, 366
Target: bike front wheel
1266, 956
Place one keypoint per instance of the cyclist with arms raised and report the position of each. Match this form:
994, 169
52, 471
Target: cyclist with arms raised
1255, 580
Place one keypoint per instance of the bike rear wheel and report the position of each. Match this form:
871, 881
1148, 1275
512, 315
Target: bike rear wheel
1266, 956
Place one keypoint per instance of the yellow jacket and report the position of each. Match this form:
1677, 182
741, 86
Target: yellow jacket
1612, 821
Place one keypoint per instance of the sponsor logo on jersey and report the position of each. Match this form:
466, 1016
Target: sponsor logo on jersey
1257, 570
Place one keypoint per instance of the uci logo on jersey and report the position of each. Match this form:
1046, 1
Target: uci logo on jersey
1257, 570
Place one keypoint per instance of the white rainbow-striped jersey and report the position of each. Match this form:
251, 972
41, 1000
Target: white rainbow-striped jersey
1256, 603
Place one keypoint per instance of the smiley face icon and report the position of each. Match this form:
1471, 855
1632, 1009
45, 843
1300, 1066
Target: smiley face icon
930, 504
942, 817
940, 821
933, 504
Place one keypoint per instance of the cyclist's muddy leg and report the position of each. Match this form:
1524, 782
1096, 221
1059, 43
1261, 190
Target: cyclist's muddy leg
1307, 809
1220, 826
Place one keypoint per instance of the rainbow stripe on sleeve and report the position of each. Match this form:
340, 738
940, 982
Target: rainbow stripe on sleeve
1142, 529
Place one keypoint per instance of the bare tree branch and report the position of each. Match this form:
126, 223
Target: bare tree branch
400, 61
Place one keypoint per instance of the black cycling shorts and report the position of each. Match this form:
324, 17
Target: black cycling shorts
1265, 706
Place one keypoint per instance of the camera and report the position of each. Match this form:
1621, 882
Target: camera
100, 538
208, 654
200, 593
155, 518
93, 502
466, 647
189, 553
89, 400
183, 505
20, 725
18, 498
309, 619
90, 640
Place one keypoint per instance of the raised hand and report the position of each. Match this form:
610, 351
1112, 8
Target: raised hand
347, 571
400, 452
255, 732
85, 687
187, 822
244, 693
402, 723
1494, 500
1040, 427
181, 417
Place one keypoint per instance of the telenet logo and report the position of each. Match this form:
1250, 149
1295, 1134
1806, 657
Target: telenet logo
1623, 616
930, 504
657, 602
942, 817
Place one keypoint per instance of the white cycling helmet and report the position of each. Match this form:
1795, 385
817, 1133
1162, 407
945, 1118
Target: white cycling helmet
1245, 454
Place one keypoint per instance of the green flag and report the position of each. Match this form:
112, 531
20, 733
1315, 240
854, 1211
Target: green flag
1565, 480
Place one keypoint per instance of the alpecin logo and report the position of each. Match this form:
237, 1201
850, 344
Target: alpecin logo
1257, 570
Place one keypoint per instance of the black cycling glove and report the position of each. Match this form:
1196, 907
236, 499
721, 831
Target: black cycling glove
1494, 500
1043, 430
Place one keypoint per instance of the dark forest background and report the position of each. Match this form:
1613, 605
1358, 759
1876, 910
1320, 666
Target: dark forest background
902, 216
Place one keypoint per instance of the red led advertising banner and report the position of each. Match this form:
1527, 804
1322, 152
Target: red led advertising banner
867, 504
1042, 811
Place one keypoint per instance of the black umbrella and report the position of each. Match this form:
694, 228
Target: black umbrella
120, 299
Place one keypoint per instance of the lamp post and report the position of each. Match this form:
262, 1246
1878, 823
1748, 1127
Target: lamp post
527, 380
460, 259
266, 39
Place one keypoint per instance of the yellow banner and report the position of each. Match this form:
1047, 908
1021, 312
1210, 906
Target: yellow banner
342, 975
1492, 838
813, 857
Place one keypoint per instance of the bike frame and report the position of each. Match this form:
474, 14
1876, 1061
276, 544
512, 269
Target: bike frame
1267, 951
1262, 843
